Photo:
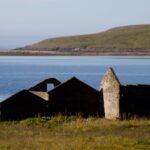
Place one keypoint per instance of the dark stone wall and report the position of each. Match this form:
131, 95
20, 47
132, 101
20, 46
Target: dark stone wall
101, 108
74, 98
135, 101
40, 87
22, 105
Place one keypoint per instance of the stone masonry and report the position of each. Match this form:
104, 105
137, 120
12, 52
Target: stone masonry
110, 87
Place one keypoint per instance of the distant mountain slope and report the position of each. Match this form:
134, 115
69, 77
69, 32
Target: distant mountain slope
127, 37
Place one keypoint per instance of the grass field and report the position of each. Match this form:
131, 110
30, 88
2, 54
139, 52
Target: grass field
75, 133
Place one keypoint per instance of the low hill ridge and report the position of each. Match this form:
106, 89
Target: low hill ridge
125, 37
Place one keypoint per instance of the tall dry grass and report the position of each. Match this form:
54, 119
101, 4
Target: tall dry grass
74, 133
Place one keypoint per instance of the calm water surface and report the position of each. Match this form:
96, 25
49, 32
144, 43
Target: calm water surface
19, 72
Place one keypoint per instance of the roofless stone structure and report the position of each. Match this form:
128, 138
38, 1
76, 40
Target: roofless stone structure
124, 101
113, 101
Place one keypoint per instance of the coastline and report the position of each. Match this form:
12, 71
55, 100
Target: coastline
74, 53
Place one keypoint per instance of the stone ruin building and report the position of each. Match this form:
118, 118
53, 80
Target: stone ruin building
74, 97
124, 101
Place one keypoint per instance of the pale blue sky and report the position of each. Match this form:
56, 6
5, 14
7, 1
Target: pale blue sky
28, 21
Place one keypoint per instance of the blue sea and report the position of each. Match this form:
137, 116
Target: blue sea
22, 72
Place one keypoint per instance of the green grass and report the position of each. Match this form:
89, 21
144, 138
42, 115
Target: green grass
75, 133
127, 37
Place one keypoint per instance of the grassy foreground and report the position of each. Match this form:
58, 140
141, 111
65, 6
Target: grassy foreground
74, 133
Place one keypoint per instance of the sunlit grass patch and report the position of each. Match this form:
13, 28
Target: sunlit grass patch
74, 133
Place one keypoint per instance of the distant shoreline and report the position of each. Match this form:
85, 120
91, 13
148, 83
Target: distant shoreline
108, 52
